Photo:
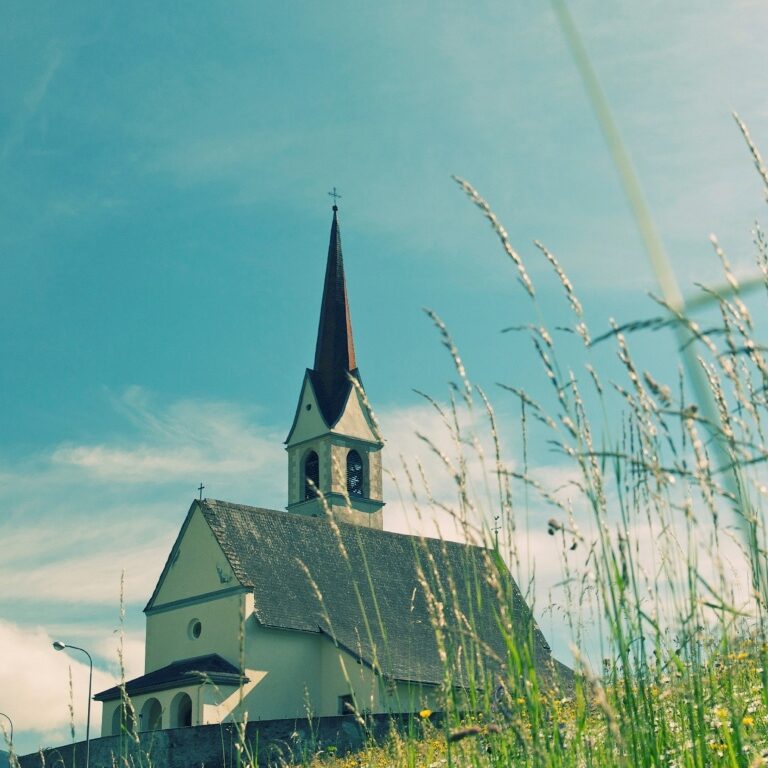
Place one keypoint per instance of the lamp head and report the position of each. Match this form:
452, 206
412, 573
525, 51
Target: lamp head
59, 646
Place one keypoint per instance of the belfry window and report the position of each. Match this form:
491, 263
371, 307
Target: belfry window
311, 475
354, 474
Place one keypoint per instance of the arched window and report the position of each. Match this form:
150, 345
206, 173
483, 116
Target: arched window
181, 711
151, 715
355, 476
123, 719
117, 721
311, 475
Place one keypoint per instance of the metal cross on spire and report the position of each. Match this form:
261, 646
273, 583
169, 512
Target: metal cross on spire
201, 489
336, 196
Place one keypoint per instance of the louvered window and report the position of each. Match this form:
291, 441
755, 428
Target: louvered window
354, 474
311, 475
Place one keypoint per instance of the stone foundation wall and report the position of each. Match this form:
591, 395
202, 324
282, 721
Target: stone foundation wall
216, 746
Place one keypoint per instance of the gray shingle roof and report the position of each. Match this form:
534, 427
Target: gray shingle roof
211, 668
373, 602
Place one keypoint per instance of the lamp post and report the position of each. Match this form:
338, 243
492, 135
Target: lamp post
10, 743
59, 646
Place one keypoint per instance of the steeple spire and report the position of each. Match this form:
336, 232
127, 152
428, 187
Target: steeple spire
334, 449
335, 350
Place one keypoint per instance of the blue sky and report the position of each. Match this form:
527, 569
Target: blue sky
164, 223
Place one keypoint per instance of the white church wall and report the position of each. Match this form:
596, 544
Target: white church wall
342, 674
198, 565
287, 665
309, 421
354, 420
171, 633
412, 697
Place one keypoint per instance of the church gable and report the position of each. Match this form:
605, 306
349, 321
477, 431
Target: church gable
355, 420
308, 423
197, 565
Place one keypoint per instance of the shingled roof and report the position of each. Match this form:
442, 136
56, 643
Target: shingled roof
368, 589
210, 668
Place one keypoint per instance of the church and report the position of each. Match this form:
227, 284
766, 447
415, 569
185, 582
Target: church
316, 610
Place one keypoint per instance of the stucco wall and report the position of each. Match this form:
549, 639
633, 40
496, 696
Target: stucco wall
309, 422
169, 638
342, 674
290, 674
198, 565
288, 665
355, 421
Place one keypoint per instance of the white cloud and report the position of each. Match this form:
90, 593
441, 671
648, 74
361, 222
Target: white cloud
93, 577
35, 690
431, 503
186, 438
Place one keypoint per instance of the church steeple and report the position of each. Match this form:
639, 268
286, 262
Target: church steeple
335, 349
334, 450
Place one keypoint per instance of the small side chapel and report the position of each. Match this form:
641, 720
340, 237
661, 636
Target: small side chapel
316, 609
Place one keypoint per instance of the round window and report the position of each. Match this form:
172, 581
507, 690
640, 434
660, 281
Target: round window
195, 629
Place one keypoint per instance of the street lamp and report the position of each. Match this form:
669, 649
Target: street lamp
10, 743
59, 646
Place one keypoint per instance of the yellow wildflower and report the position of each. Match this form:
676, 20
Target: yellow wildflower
721, 713
425, 713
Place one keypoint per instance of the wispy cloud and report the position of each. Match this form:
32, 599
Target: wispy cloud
188, 438
32, 101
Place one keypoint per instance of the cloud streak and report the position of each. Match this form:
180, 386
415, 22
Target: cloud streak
32, 102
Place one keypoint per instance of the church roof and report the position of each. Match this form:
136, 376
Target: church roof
335, 349
212, 668
373, 600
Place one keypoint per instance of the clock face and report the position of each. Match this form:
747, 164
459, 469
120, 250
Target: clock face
354, 474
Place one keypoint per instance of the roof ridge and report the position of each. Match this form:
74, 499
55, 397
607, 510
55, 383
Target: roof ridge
322, 521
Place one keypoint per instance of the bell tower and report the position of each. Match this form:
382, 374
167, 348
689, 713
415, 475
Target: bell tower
334, 451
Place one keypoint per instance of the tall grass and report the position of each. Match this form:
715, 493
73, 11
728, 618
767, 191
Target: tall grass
662, 541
